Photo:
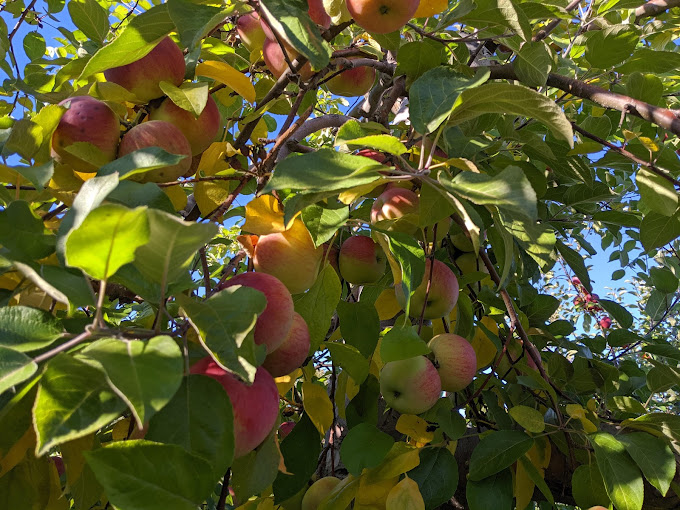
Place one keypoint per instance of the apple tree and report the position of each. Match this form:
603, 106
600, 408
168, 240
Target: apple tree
288, 254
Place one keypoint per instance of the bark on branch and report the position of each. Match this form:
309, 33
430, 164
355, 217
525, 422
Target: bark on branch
654, 7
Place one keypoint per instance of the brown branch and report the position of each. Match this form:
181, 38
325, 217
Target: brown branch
545, 32
199, 179
283, 138
22, 17
654, 7
224, 206
312, 126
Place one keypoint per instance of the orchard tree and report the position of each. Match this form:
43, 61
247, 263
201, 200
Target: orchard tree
339, 254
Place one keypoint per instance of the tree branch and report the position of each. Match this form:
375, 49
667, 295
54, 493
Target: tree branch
654, 7
312, 126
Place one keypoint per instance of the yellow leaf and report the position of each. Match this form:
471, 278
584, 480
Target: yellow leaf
264, 215
57, 499
400, 459
120, 430
317, 405
540, 453
438, 326
524, 487
576, 411
592, 405
260, 131
381, 239
387, 305
177, 197
588, 426
352, 388
224, 73
209, 195
285, 382
429, 8
17, 451
451, 446
341, 495
414, 427
374, 493
214, 158
529, 418
72, 453
649, 144
266, 504
64, 184
484, 348
405, 496
351, 195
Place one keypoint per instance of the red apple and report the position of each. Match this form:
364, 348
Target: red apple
353, 82
292, 353
273, 325
158, 133
382, 16
142, 77
286, 428
410, 386
59, 464
250, 30
361, 260
256, 407
605, 323
374, 155
318, 13
441, 298
275, 61
396, 204
86, 120
199, 131
455, 360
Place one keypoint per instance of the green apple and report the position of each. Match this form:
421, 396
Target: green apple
361, 260
455, 360
410, 386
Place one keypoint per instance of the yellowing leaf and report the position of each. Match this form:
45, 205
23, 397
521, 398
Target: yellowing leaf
351, 195
592, 405
341, 496
576, 411
72, 453
451, 446
209, 195
17, 451
120, 430
429, 8
264, 215
177, 197
529, 418
588, 426
214, 158
387, 305
400, 459
649, 144
285, 382
540, 453
524, 486
484, 348
224, 73
317, 405
374, 493
414, 427
405, 496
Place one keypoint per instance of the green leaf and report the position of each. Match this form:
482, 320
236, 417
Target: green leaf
435, 93
498, 451
436, 476
107, 240
492, 492
411, 259
434, 206
383, 143
195, 19
90, 17
23, 233
136, 40
611, 45
665, 350
34, 45
576, 263
653, 456
27, 329
15, 368
657, 230
528, 418
663, 280
317, 305
416, 58
359, 326
140, 475
620, 314
38, 175
507, 98
645, 87
324, 222
657, 193
135, 194
290, 18
145, 374
588, 487
67, 286
621, 476
657, 304
647, 60
658, 424
140, 161
625, 404
184, 422
499, 12
172, 245
73, 400
225, 323
27, 485
25, 139
364, 446
350, 359
191, 97
322, 171
257, 470
533, 64
402, 343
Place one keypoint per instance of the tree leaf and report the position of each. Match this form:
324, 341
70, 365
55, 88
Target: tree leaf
611, 45
622, 316
528, 417
405, 496
658, 424
364, 446
498, 451
533, 64
27, 329
499, 12
59, 283
492, 492
23, 234
324, 222
224, 73
657, 193
576, 263
588, 487
349, 358
317, 305
653, 456
656, 229
15, 368
402, 343
318, 405
359, 326
257, 470
91, 18
383, 143
436, 476
195, 20
140, 161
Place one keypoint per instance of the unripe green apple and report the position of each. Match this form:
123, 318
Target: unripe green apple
255, 407
361, 260
158, 133
410, 386
396, 204
353, 82
441, 298
455, 360
292, 353
318, 491
250, 30
382, 16
142, 77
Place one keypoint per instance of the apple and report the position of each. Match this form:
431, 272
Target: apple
256, 407
250, 30
470, 263
396, 204
443, 227
86, 120
286, 428
292, 353
290, 256
441, 298
382, 16
462, 242
605, 323
59, 464
318, 491
275, 322
331, 254
410, 386
361, 260
142, 77
318, 13
275, 61
199, 131
158, 133
598, 507
353, 82
455, 360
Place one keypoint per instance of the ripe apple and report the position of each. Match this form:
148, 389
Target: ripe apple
256, 407
361, 260
410, 386
86, 120
142, 77
199, 131
274, 323
292, 353
382, 16
396, 204
441, 298
353, 82
605, 323
455, 360
275, 61
158, 133
286, 428
290, 256
318, 491
250, 30
318, 13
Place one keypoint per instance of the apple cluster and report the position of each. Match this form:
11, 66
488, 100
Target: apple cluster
590, 302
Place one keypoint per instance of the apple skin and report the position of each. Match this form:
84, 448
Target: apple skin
290, 256
286, 428
410, 386
292, 353
250, 30
256, 407
382, 16
274, 323
361, 260
164, 63
158, 133
456, 361
276, 63
394, 204
318, 491
318, 13
442, 297
353, 82
86, 120
199, 131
